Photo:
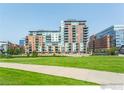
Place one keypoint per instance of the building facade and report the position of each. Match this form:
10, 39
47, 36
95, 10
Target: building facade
108, 38
22, 42
43, 41
74, 35
71, 38
5, 45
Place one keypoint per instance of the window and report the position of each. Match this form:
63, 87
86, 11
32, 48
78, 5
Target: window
123, 35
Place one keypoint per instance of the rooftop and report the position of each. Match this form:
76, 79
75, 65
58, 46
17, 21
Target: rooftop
113, 26
45, 31
74, 20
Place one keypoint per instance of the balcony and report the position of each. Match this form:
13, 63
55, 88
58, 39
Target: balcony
66, 28
67, 23
81, 23
85, 28
66, 37
85, 32
65, 41
73, 28
74, 33
36, 39
85, 40
65, 34
85, 35
74, 41
26, 42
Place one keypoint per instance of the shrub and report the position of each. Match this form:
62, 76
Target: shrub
5, 56
2, 56
34, 54
28, 54
54, 54
112, 51
8, 56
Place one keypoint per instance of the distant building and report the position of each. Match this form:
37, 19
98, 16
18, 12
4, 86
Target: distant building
108, 38
4, 45
22, 42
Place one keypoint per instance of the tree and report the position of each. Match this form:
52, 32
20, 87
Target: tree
10, 51
28, 54
22, 50
15, 51
34, 54
112, 51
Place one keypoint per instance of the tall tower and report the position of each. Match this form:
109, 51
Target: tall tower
74, 35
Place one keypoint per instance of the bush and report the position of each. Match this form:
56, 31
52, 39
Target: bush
8, 56
28, 54
5, 56
54, 54
2, 56
34, 54
15, 51
112, 51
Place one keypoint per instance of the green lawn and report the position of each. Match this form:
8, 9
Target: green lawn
106, 63
20, 77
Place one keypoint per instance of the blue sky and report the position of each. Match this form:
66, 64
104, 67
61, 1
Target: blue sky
17, 19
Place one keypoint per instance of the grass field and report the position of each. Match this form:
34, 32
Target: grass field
20, 77
106, 63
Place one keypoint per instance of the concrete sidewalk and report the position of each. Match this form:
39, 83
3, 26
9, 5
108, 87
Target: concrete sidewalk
99, 77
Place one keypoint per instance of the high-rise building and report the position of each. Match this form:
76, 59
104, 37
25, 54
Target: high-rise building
74, 35
108, 38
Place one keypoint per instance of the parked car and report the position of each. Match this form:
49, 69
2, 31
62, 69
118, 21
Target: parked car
121, 50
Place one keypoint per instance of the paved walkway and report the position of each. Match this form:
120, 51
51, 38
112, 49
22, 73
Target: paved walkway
99, 77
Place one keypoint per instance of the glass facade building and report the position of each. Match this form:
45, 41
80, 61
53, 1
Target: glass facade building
110, 37
22, 42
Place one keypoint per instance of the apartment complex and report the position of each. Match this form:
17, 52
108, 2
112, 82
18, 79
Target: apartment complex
43, 41
108, 38
71, 38
74, 35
